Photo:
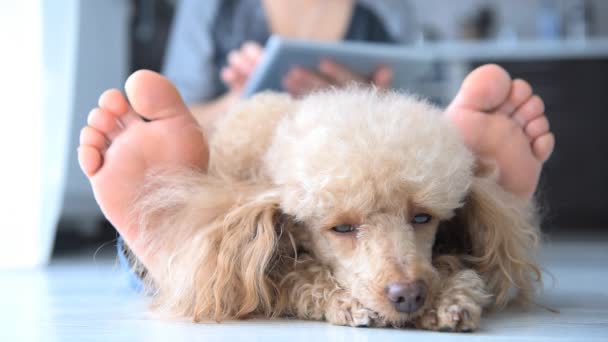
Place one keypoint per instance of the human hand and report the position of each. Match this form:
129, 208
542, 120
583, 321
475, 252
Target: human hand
240, 66
300, 81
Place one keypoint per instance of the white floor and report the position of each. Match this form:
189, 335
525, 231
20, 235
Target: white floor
86, 298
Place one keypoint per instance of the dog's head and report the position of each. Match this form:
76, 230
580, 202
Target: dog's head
370, 176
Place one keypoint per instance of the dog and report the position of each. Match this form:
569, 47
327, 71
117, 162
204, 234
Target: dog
357, 206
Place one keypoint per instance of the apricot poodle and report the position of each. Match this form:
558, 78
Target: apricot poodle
356, 206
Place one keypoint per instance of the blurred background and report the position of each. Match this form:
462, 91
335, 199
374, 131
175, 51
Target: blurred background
109, 39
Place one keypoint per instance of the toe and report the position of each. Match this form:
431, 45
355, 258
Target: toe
529, 110
543, 146
104, 122
537, 127
153, 96
484, 89
520, 92
89, 159
113, 101
91, 137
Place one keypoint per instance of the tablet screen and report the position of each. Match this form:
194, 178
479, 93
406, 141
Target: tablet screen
411, 68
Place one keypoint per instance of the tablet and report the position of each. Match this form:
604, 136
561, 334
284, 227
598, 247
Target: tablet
411, 67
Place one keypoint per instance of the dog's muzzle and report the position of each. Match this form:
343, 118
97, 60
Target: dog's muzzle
407, 297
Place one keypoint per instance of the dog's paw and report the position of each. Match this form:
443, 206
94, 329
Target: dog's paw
345, 310
428, 320
453, 316
459, 317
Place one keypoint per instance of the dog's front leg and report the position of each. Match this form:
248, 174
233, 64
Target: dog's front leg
314, 294
459, 305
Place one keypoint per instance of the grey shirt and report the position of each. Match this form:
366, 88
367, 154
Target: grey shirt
203, 33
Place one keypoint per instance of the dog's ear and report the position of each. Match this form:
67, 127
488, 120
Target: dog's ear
502, 232
222, 243
242, 253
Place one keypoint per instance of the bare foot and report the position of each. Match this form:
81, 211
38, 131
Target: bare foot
118, 147
500, 119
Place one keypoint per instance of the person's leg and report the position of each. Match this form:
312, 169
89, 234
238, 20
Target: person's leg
118, 147
501, 119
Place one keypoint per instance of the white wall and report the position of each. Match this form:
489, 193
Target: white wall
36, 89
58, 56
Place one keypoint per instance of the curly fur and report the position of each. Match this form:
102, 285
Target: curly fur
252, 236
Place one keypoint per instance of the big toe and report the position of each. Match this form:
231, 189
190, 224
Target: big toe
153, 96
484, 89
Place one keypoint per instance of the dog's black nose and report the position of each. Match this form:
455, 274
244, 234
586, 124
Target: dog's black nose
407, 297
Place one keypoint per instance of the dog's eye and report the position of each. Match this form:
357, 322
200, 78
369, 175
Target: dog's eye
344, 228
421, 219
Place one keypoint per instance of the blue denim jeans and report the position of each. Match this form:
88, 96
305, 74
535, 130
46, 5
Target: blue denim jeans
135, 281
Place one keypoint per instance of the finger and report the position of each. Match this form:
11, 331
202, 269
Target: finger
301, 81
240, 63
227, 75
253, 51
383, 77
233, 80
338, 74
311, 81
291, 84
